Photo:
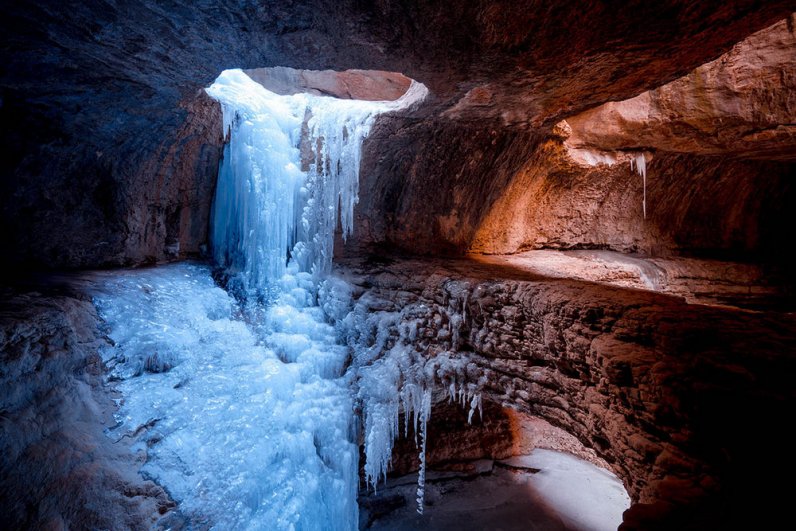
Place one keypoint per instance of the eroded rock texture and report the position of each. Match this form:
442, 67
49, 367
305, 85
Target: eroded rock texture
95, 95
680, 399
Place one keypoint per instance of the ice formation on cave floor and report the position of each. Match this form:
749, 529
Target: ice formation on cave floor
246, 429
245, 405
268, 212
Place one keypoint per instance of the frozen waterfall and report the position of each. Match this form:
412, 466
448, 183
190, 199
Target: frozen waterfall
241, 403
290, 171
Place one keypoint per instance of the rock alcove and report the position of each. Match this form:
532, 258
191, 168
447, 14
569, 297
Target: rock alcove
580, 233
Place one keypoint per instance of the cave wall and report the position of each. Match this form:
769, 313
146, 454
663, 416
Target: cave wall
166, 207
708, 206
109, 148
742, 104
424, 182
718, 143
91, 206
684, 401
447, 188
95, 96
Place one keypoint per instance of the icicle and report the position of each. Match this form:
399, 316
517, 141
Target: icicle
402, 379
425, 414
475, 403
641, 169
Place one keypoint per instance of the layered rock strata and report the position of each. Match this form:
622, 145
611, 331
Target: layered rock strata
681, 400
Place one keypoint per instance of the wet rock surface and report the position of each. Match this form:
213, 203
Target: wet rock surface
674, 396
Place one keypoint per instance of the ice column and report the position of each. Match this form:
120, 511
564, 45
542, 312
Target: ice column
425, 413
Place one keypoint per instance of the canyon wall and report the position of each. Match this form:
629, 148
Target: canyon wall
95, 97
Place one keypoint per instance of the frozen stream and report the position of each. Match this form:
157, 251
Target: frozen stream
244, 432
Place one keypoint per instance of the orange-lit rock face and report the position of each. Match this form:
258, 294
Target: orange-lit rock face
558, 201
370, 85
706, 203
577, 188
442, 187
742, 104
